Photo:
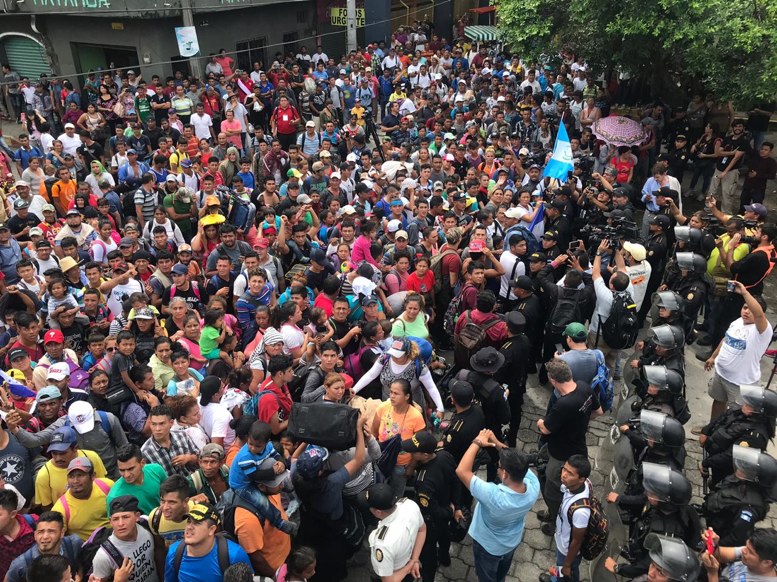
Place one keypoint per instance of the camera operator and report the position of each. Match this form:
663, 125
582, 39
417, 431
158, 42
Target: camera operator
754, 214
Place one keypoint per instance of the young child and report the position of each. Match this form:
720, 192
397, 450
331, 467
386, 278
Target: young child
244, 472
96, 344
136, 413
319, 325
214, 332
59, 301
246, 174
121, 384
141, 301
28, 279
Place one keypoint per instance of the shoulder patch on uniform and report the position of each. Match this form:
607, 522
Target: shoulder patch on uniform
423, 500
744, 444
746, 516
650, 253
383, 531
379, 555
690, 297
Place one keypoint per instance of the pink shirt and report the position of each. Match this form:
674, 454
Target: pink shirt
361, 251
233, 125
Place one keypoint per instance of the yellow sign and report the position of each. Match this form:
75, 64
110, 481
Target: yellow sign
339, 16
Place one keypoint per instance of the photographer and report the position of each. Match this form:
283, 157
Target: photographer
754, 214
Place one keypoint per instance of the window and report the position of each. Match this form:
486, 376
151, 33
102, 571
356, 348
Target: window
290, 44
251, 51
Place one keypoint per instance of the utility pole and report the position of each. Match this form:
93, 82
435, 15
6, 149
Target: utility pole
188, 20
351, 12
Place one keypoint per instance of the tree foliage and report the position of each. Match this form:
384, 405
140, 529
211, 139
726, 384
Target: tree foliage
725, 46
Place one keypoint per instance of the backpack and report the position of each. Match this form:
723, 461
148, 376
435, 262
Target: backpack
532, 244
104, 422
453, 311
622, 325
195, 288
352, 362
227, 506
602, 384
79, 378
436, 267
470, 339
222, 544
598, 529
567, 310
128, 203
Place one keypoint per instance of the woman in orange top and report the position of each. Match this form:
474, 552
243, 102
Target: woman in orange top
398, 416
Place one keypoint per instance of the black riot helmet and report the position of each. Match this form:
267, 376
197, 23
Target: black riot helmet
692, 262
755, 466
761, 400
665, 484
661, 428
670, 300
667, 336
676, 560
688, 234
663, 378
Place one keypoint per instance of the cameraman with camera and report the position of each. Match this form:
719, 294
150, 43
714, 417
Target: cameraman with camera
754, 214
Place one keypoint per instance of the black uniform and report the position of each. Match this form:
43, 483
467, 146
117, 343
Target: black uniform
462, 429
532, 309
656, 246
734, 508
731, 428
437, 488
516, 351
665, 519
693, 289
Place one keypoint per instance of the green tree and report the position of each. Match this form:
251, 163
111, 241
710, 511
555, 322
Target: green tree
724, 46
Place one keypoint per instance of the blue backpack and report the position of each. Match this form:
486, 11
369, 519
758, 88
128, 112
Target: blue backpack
104, 422
532, 244
602, 384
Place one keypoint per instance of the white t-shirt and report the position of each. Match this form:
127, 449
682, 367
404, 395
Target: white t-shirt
292, 338
215, 421
140, 552
739, 359
118, 293
70, 145
514, 267
46, 142
202, 125
579, 518
639, 275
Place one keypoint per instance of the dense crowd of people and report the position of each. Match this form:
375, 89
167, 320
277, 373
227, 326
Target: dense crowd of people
202, 279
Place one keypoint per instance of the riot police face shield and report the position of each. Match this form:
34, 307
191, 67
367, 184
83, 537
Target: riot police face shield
669, 300
664, 336
691, 262
651, 425
665, 485
754, 466
676, 560
758, 399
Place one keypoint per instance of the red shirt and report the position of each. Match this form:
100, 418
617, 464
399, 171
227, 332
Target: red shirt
496, 334
286, 120
269, 405
10, 549
324, 303
421, 285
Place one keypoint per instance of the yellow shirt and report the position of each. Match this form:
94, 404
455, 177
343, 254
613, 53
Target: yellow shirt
358, 113
170, 531
51, 481
83, 516
715, 265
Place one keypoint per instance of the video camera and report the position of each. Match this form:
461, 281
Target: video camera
616, 233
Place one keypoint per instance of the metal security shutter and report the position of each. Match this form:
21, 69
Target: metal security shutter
26, 56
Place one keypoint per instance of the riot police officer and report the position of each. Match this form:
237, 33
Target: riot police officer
667, 512
752, 426
657, 438
693, 240
656, 245
671, 560
671, 311
532, 306
663, 392
664, 347
741, 500
467, 420
437, 491
687, 276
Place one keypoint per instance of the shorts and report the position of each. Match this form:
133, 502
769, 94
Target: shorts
723, 391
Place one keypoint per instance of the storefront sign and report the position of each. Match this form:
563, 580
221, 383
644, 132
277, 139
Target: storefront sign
339, 17
70, 4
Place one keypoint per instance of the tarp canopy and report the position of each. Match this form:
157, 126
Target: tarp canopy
481, 33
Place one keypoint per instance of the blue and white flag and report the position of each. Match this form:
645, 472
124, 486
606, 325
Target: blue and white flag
15, 387
539, 217
560, 163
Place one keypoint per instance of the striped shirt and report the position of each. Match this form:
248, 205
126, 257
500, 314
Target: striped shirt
148, 200
180, 444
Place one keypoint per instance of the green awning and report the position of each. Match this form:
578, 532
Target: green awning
481, 33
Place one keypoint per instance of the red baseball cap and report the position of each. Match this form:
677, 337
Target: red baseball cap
53, 336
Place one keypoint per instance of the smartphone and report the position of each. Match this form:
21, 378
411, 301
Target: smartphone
575, 244
570, 174
730, 286
559, 349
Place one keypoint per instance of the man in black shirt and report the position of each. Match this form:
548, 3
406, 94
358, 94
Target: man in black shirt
160, 103
729, 155
466, 423
223, 282
196, 297
24, 220
564, 428
89, 151
513, 372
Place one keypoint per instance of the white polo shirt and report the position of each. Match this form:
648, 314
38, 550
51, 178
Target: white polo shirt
392, 542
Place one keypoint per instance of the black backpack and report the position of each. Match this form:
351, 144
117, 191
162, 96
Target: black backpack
567, 310
222, 549
227, 506
620, 329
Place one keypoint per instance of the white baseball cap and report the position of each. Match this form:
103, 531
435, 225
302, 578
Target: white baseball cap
58, 371
394, 225
81, 416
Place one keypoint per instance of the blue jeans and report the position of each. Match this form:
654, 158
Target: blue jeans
266, 509
490, 568
575, 567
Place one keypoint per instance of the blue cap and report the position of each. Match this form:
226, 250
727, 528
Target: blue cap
180, 269
62, 439
311, 461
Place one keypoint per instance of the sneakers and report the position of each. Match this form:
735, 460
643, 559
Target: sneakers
705, 340
544, 516
549, 529
444, 559
545, 577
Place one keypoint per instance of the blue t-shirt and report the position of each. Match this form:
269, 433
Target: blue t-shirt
186, 386
246, 463
498, 520
205, 567
248, 180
